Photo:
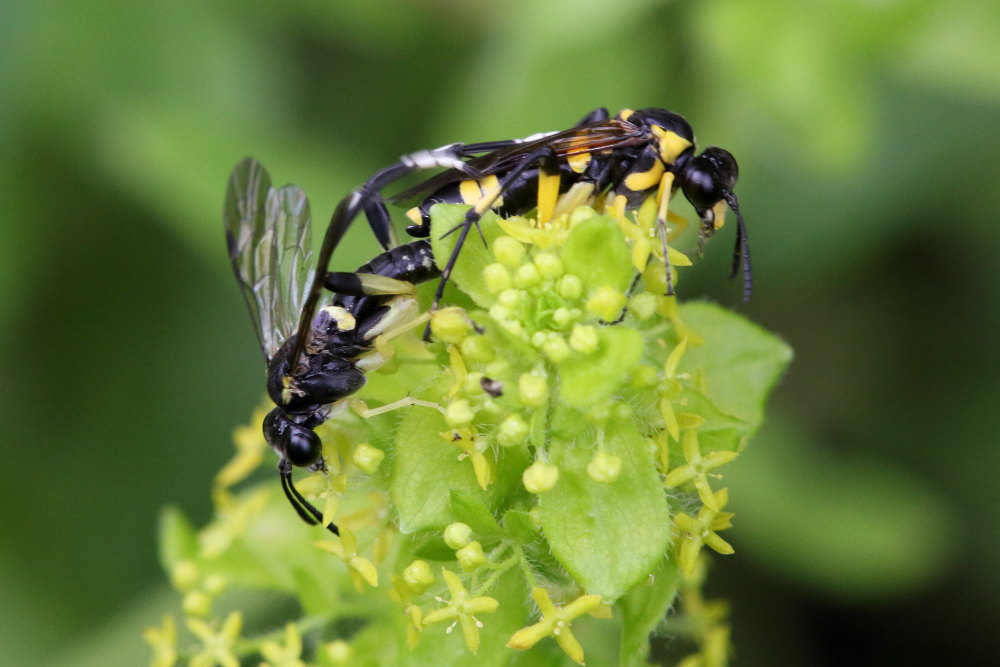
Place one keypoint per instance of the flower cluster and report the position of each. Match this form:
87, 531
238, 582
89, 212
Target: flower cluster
560, 438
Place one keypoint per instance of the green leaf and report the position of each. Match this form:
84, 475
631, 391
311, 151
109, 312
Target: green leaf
738, 361
518, 526
607, 536
474, 256
720, 432
471, 511
178, 539
643, 608
590, 379
425, 471
596, 252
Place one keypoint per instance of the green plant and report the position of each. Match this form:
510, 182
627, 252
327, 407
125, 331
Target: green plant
566, 464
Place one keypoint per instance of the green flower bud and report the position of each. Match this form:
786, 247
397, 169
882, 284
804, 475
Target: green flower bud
497, 278
512, 430
459, 414
197, 604
367, 458
449, 324
556, 349
457, 535
570, 287
549, 265
418, 576
584, 339
527, 276
508, 251
471, 557
562, 317
184, 576
604, 467
607, 303
540, 477
533, 390
477, 349
643, 306
510, 298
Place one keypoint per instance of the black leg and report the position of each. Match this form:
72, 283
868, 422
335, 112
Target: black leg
537, 157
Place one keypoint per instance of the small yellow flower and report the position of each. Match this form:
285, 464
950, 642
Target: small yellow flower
163, 641
472, 448
361, 569
696, 532
462, 608
697, 469
216, 647
555, 623
288, 654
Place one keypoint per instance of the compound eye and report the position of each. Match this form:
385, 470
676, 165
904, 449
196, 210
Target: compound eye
301, 446
304, 446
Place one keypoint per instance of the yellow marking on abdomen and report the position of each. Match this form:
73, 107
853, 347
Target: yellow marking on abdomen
578, 162
643, 180
470, 192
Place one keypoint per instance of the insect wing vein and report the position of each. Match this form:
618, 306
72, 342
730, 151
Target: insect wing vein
270, 247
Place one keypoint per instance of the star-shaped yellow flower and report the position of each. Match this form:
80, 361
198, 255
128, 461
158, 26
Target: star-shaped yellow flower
555, 623
361, 569
163, 641
288, 654
216, 647
697, 469
462, 608
696, 532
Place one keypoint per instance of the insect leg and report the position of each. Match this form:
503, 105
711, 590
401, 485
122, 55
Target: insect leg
666, 183
598, 114
367, 198
476, 213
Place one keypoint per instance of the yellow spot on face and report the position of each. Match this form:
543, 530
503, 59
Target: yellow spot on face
578, 162
719, 215
671, 144
643, 180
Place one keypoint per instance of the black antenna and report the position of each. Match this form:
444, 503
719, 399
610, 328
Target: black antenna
741, 252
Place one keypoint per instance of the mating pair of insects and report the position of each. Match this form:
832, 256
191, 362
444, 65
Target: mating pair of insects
318, 329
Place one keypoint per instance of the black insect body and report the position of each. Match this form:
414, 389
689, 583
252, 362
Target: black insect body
317, 352
268, 234
621, 160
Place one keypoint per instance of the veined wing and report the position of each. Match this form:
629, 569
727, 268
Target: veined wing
600, 135
270, 247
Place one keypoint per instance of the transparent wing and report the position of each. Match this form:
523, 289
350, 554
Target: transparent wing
270, 246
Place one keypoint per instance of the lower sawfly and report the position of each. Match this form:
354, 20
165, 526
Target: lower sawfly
268, 235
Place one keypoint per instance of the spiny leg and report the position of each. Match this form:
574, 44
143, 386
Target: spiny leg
476, 213
663, 195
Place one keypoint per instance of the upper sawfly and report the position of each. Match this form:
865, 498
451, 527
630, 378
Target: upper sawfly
313, 361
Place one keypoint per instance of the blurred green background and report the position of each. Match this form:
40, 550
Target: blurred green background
867, 510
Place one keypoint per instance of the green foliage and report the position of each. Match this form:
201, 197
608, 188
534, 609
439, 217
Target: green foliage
571, 479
